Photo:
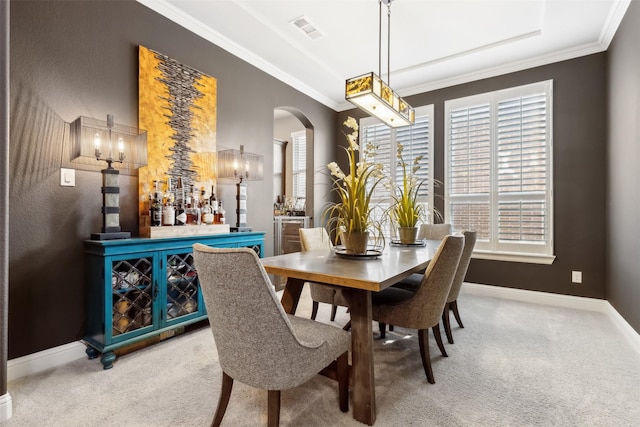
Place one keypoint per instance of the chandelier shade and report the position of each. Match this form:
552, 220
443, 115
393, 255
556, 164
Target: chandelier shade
370, 93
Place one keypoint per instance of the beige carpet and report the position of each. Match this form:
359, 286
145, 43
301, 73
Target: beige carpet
514, 364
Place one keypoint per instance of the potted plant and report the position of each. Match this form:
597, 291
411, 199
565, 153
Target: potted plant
351, 217
406, 211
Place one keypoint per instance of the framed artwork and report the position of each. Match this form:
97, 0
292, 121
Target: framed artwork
177, 108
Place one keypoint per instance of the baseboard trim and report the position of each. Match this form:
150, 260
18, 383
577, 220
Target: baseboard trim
6, 408
569, 301
623, 326
35, 363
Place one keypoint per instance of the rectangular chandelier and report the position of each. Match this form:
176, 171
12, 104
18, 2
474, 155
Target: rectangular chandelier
374, 96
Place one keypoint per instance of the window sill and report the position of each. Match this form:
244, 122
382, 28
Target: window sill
514, 257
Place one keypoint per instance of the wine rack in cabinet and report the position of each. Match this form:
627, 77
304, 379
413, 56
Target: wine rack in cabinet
146, 287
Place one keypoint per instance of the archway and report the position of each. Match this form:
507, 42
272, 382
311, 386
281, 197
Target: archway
286, 122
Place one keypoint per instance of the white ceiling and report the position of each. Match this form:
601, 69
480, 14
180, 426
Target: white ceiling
434, 43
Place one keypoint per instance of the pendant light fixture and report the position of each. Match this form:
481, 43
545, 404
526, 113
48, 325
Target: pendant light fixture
370, 93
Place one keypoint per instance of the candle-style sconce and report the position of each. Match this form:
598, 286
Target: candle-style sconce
114, 144
239, 164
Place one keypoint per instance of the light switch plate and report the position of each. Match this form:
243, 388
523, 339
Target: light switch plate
67, 177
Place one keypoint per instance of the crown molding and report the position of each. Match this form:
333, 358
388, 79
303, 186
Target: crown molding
195, 26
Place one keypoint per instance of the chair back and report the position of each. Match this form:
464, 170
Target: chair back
424, 308
463, 265
254, 337
314, 239
434, 231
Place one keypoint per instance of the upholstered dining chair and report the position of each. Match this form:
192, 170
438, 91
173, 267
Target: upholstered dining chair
257, 342
423, 308
434, 231
428, 232
461, 272
313, 239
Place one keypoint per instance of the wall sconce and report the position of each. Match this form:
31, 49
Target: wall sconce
238, 164
111, 143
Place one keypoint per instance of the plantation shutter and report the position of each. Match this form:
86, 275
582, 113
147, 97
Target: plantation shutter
299, 164
378, 135
415, 141
470, 169
522, 171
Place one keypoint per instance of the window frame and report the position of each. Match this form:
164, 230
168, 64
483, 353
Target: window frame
542, 253
384, 201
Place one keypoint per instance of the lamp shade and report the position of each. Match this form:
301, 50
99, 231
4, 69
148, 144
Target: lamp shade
90, 135
374, 96
238, 164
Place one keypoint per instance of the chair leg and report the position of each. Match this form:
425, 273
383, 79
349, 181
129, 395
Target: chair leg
391, 327
383, 330
342, 368
314, 310
347, 327
273, 410
423, 339
225, 394
454, 308
334, 309
446, 323
438, 337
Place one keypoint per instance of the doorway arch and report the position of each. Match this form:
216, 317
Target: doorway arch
287, 120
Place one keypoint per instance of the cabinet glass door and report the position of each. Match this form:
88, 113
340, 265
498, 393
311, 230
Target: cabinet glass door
183, 297
131, 295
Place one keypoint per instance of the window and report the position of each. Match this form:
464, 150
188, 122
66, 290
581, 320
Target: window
299, 171
417, 140
498, 177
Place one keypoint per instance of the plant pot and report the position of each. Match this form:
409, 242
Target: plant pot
355, 242
408, 234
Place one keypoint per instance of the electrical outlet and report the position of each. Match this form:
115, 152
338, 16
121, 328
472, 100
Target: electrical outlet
576, 276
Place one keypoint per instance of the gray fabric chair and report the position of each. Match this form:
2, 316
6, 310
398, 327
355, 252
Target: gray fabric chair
314, 239
257, 342
461, 272
428, 232
423, 308
434, 231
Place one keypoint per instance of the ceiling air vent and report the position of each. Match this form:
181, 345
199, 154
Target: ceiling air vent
303, 24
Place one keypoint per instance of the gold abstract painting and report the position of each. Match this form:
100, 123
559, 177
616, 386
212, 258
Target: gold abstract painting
177, 108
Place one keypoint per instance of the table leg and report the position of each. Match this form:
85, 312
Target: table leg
291, 295
364, 392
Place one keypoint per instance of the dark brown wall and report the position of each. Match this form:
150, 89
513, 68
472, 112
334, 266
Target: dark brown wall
579, 149
623, 202
73, 58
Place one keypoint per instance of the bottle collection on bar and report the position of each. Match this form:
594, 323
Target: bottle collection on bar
177, 205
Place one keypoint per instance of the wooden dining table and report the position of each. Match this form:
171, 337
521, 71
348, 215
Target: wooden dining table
358, 277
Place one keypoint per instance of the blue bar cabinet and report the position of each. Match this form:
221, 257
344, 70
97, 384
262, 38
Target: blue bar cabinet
144, 288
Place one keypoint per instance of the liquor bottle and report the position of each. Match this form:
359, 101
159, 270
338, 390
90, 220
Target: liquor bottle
168, 208
156, 206
181, 214
193, 213
207, 213
202, 201
214, 206
221, 213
